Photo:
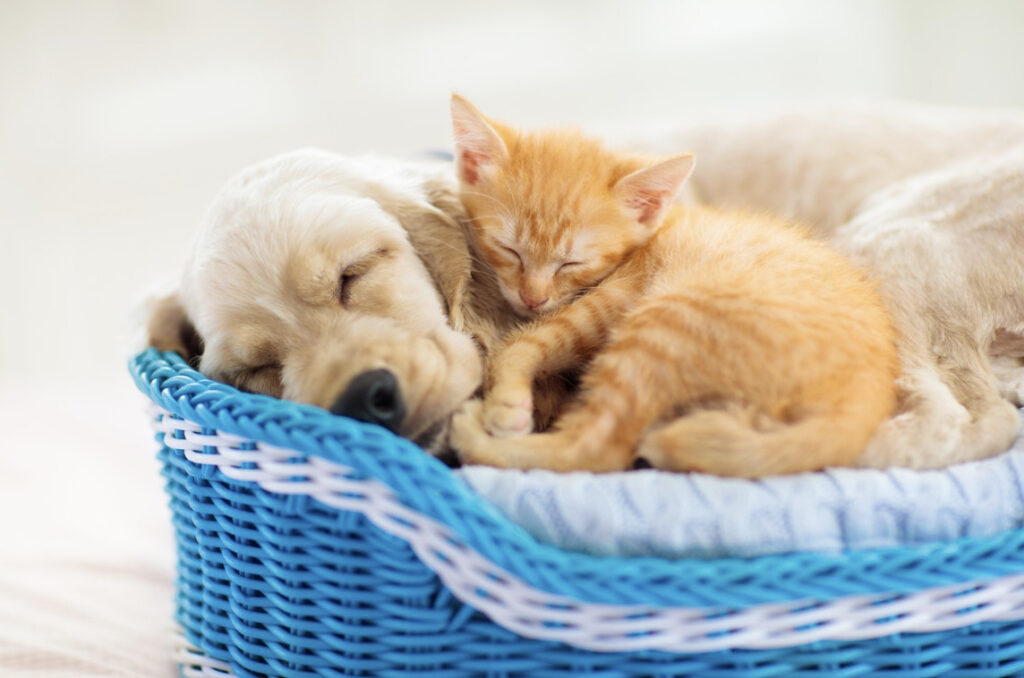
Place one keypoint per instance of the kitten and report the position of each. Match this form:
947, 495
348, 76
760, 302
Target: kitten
713, 341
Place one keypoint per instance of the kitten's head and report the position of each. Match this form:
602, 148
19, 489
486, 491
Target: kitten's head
553, 212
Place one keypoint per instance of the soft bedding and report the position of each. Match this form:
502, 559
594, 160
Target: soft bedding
691, 515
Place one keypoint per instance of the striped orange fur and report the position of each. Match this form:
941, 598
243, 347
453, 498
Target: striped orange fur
714, 341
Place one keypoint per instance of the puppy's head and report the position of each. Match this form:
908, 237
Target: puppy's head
302, 286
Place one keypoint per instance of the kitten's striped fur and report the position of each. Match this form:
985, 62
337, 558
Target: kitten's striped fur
713, 341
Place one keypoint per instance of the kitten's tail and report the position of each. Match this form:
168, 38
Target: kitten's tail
728, 443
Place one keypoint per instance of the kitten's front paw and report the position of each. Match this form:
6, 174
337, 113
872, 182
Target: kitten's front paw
508, 412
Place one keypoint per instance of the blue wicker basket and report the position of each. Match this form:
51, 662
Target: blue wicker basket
313, 545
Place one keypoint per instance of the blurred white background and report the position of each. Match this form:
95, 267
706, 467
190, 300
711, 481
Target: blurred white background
120, 120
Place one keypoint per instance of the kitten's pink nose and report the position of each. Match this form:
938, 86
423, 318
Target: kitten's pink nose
532, 301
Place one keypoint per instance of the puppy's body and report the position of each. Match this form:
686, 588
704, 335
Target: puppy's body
932, 202
819, 166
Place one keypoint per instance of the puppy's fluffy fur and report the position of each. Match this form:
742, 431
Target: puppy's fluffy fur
932, 202
310, 268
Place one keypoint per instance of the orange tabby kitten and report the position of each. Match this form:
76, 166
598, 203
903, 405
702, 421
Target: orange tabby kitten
719, 342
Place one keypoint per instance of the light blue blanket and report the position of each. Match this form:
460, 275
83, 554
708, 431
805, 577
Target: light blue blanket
691, 515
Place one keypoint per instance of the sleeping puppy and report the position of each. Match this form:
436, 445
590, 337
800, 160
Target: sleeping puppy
931, 202
343, 283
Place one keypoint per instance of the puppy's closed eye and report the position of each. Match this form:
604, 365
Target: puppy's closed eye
262, 379
351, 274
345, 284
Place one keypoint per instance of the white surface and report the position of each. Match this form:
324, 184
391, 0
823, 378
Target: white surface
119, 119
87, 554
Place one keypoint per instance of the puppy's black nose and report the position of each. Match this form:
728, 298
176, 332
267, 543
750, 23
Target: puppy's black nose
373, 397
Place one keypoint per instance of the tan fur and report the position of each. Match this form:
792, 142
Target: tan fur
721, 342
169, 329
930, 201
262, 288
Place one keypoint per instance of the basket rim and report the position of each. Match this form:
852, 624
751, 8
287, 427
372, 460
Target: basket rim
422, 483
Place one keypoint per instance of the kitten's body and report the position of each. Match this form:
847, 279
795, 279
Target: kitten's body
720, 342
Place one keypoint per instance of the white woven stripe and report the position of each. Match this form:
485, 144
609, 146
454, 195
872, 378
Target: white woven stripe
517, 606
195, 664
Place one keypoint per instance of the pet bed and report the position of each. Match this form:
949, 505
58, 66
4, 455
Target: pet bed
644, 513
313, 545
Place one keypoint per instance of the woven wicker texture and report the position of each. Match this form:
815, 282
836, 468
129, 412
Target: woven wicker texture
276, 586
282, 585
991, 652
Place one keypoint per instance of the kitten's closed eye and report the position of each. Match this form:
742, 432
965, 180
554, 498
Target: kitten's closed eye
568, 266
513, 253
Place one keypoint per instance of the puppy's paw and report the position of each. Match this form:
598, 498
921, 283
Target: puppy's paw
468, 437
508, 412
1009, 371
1013, 390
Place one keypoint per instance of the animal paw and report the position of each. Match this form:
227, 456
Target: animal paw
1009, 373
508, 412
467, 435
1013, 390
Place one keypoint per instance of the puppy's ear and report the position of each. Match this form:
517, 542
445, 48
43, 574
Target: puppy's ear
478, 146
169, 329
441, 246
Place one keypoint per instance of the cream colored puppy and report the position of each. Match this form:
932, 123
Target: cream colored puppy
329, 280
931, 201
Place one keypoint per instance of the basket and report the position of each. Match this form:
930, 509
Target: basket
314, 545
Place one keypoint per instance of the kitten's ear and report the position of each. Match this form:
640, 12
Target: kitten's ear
648, 192
478, 147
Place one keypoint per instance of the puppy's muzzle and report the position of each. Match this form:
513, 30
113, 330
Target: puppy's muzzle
374, 397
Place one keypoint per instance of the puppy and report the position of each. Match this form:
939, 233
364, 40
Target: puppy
931, 201
343, 283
